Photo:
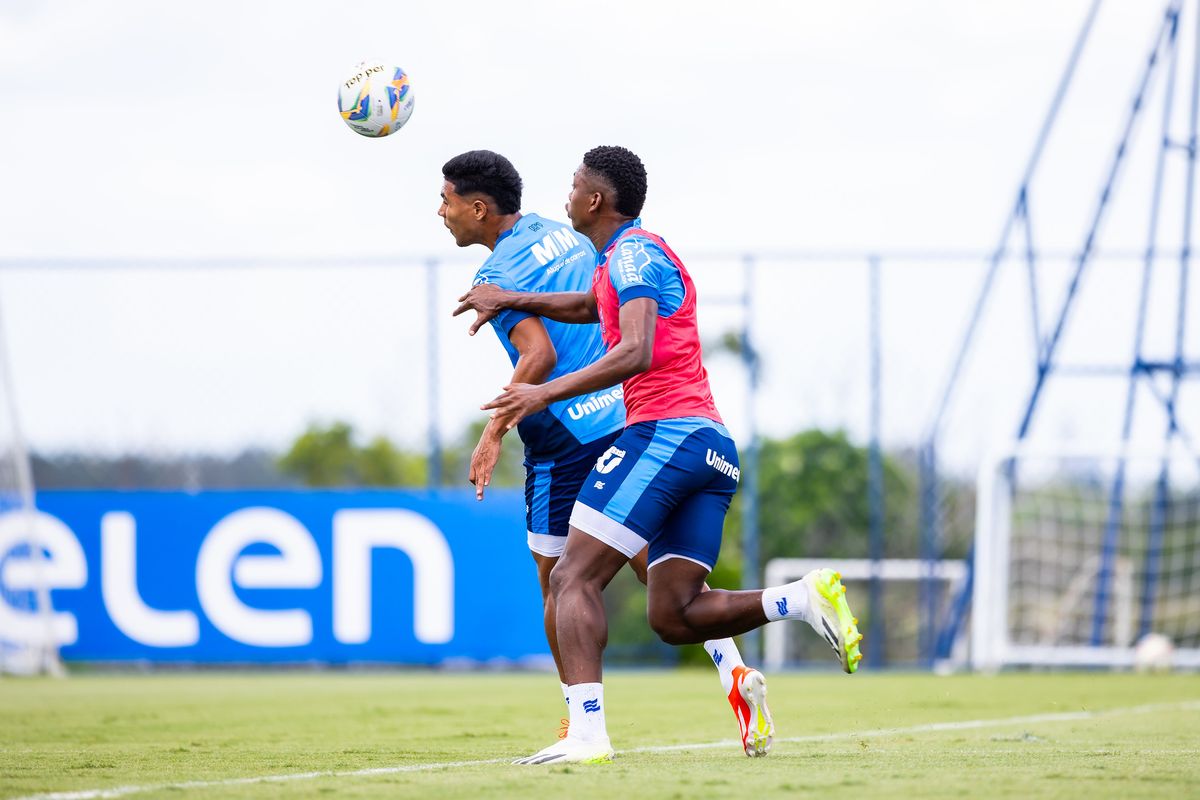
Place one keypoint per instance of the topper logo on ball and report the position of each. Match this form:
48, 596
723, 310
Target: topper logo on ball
369, 71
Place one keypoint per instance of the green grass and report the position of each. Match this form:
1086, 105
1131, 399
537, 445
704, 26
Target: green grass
105, 731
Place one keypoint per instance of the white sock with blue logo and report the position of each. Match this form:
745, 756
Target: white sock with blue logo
566, 696
789, 601
725, 656
585, 701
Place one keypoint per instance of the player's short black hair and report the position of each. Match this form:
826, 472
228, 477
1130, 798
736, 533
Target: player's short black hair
624, 171
488, 173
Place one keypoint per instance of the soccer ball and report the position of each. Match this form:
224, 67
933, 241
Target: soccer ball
1153, 653
377, 99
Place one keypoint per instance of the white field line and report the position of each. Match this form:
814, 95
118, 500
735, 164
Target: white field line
932, 727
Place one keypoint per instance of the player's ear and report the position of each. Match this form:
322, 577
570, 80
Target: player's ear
595, 201
480, 208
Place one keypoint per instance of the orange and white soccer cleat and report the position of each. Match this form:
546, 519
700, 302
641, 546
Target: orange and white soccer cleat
749, 700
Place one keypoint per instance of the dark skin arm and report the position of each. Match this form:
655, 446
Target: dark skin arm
536, 361
629, 357
488, 300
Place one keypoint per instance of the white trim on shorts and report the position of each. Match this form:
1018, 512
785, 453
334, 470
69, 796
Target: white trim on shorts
661, 559
546, 545
607, 530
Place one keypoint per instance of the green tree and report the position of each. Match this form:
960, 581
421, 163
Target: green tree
456, 459
323, 456
327, 455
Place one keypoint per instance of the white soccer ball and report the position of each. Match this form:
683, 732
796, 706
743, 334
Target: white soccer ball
1153, 653
376, 99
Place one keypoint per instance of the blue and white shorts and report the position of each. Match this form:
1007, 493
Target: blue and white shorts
551, 486
666, 483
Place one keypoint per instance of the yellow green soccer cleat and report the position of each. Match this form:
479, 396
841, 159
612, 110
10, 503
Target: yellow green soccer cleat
833, 619
571, 751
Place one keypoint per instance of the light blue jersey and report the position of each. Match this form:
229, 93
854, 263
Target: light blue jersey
539, 255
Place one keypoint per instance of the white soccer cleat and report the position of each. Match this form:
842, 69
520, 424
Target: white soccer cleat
749, 700
572, 751
834, 621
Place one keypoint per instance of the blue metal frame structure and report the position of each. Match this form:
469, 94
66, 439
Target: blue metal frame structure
1140, 370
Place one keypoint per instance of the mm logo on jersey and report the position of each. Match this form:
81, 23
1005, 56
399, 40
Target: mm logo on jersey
554, 244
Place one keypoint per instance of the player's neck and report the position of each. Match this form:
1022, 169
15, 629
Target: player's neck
603, 231
504, 225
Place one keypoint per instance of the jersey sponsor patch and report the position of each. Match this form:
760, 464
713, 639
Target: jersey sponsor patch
632, 260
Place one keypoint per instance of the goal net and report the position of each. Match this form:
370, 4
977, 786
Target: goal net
1078, 555
27, 641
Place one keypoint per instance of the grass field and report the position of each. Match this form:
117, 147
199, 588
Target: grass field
405, 734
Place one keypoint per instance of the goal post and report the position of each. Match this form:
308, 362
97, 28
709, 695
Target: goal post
1079, 553
28, 643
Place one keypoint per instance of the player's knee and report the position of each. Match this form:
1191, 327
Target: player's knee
563, 578
670, 626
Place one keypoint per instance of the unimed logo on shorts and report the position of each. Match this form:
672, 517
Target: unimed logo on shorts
718, 462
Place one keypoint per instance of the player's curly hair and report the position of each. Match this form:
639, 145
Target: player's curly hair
626, 174
486, 173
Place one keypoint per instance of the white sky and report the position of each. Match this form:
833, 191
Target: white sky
165, 130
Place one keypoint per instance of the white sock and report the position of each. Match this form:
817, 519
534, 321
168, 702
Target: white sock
585, 701
725, 656
566, 696
789, 601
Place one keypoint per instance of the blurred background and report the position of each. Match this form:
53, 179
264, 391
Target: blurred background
920, 232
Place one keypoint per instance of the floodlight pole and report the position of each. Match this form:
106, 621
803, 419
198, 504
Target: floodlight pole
751, 572
875, 495
433, 354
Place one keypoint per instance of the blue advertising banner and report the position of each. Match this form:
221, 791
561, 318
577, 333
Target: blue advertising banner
326, 576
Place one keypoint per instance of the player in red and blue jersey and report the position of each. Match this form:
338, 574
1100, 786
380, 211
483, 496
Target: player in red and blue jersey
481, 200
667, 482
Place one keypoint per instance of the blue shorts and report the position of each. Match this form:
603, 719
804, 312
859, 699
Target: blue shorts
666, 483
551, 486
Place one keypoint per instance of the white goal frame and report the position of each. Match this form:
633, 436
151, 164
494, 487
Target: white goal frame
991, 646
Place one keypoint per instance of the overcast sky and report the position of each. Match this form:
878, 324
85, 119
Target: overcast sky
149, 130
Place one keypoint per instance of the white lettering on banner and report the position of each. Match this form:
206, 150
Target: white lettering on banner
220, 566
356, 533
62, 566
118, 585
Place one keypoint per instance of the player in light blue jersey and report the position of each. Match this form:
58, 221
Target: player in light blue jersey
481, 200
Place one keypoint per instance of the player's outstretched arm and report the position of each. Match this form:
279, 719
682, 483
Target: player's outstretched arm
629, 357
535, 361
488, 300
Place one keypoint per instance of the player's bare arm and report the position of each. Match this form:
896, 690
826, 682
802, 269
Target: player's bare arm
488, 300
627, 358
537, 360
